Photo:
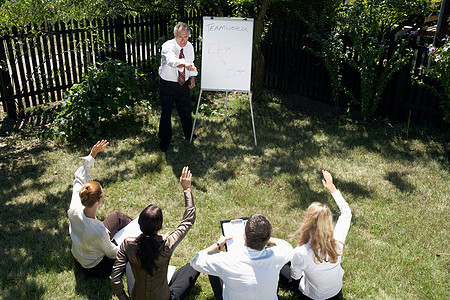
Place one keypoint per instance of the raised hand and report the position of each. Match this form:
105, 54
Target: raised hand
186, 178
327, 181
98, 147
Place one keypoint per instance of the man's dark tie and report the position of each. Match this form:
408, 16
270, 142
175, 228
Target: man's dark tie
181, 75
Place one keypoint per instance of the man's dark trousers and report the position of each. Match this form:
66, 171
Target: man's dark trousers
170, 92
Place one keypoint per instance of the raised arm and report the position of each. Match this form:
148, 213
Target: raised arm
343, 223
83, 173
174, 238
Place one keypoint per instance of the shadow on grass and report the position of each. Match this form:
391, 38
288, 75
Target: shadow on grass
28, 290
286, 138
398, 179
91, 288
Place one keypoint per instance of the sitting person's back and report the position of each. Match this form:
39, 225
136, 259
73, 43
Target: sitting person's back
251, 272
149, 254
148, 286
315, 270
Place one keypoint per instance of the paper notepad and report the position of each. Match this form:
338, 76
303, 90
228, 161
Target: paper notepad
234, 228
131, 230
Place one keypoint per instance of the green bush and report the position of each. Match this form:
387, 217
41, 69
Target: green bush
441, 70
106, 90
368, 38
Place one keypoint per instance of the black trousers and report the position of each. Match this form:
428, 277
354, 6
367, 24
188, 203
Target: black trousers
288, 283
170, 92
114, 222
182, 282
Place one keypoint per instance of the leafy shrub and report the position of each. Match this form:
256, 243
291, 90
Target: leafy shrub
368, 38
106, 90
441, 71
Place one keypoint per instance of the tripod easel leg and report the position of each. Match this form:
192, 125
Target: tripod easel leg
195, 119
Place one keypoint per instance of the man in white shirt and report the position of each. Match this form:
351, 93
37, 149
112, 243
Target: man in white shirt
176, 74
250, 272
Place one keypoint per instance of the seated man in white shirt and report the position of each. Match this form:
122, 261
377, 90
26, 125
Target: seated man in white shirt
250, 272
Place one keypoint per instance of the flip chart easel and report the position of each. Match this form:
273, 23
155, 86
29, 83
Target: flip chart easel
226, 60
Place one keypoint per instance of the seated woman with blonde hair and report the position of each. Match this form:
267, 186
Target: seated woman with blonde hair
93, 246
315, 271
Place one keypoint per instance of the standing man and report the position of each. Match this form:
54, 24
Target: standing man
251, 272
176, 74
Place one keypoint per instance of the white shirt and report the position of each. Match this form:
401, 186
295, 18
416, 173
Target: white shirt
170, 53
90, 238
322, 280
246, 273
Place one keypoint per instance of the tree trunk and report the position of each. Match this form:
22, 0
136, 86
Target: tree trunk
216, 8
258, 62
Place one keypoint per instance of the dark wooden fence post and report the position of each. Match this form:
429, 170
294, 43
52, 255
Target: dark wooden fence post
6, 86
120, 38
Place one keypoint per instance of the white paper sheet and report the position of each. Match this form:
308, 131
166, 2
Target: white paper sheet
234, 228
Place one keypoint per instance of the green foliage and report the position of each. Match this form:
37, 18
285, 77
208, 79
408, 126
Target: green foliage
440, 70
106, 90
306, 11
20, 13
367, 37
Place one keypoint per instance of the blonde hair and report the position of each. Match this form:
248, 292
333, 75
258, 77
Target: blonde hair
90, 193
317, 229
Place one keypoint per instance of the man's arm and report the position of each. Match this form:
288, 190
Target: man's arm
208, 261
281, 248
172, 60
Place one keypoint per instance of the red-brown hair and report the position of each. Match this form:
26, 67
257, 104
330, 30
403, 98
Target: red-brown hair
90, 193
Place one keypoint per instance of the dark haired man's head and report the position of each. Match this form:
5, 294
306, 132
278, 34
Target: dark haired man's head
258, 231
150, 220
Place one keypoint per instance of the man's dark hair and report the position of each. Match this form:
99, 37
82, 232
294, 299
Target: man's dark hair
258, 231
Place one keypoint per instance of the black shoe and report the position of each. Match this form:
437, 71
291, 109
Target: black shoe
163, 148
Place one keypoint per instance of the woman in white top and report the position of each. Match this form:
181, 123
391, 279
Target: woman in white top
93, 246
316, 265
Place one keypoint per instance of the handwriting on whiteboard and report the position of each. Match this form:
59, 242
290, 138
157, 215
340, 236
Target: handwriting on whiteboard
213, 27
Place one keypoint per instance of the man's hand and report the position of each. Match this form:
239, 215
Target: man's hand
327, 181
271, 242
190, 66
98, 147
191, 82
222, 240
185, 179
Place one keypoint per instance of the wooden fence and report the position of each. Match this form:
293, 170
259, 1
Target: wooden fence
40, 63
293, 69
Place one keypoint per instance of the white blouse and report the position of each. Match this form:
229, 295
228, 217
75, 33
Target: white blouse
322, 280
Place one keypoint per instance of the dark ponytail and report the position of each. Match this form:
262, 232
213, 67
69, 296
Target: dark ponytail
150, 222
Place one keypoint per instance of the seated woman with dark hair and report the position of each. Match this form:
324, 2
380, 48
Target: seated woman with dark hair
93, 247
149, 254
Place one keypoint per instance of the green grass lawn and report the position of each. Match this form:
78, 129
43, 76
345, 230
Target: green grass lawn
397, 189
